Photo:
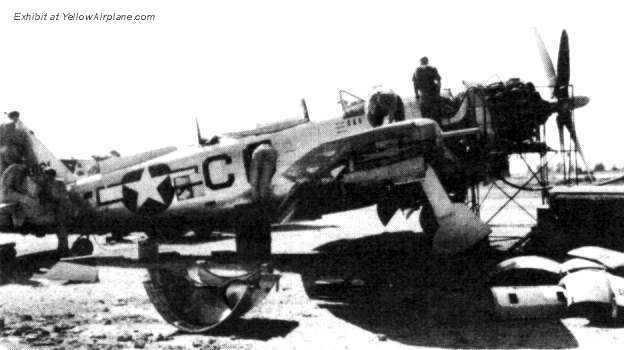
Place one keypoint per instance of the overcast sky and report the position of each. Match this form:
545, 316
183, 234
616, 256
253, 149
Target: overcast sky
89, 87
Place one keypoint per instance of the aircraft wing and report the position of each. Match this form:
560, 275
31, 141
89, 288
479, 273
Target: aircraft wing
367, 151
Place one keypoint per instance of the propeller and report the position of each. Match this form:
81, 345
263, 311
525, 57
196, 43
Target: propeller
560, 81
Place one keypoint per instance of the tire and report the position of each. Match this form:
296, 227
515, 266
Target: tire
82, 246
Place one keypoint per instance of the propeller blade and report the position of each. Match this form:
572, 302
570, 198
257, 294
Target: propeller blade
564, 119
549, 69
563, 67
565, 105
572, 129
560, 124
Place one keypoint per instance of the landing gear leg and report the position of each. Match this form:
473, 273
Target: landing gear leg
7, 262
253, 239
427, 221
62, 248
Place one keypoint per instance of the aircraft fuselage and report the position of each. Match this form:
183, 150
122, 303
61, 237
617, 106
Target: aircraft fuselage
200, 184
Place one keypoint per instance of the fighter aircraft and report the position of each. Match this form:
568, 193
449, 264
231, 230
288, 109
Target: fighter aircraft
248, 180
379, 151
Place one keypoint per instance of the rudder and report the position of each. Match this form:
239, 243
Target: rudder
46, 159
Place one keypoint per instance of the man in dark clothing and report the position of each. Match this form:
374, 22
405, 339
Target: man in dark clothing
382, 104
427, 88
15, 144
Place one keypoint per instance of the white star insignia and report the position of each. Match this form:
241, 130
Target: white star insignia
147, 187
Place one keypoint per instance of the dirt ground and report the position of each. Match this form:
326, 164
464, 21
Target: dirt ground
395, 295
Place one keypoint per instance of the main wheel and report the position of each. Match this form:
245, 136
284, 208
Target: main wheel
82, 246
253, 239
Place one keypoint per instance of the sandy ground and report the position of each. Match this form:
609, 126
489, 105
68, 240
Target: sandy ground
405, 299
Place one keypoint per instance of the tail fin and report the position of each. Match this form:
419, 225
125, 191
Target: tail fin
47, 159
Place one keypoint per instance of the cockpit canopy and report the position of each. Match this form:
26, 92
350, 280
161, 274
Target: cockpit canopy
267, 129
273, 127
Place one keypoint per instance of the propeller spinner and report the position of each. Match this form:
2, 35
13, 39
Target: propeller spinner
560, 82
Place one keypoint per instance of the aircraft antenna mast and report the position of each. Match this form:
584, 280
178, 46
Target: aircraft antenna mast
306, 115
200, 140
